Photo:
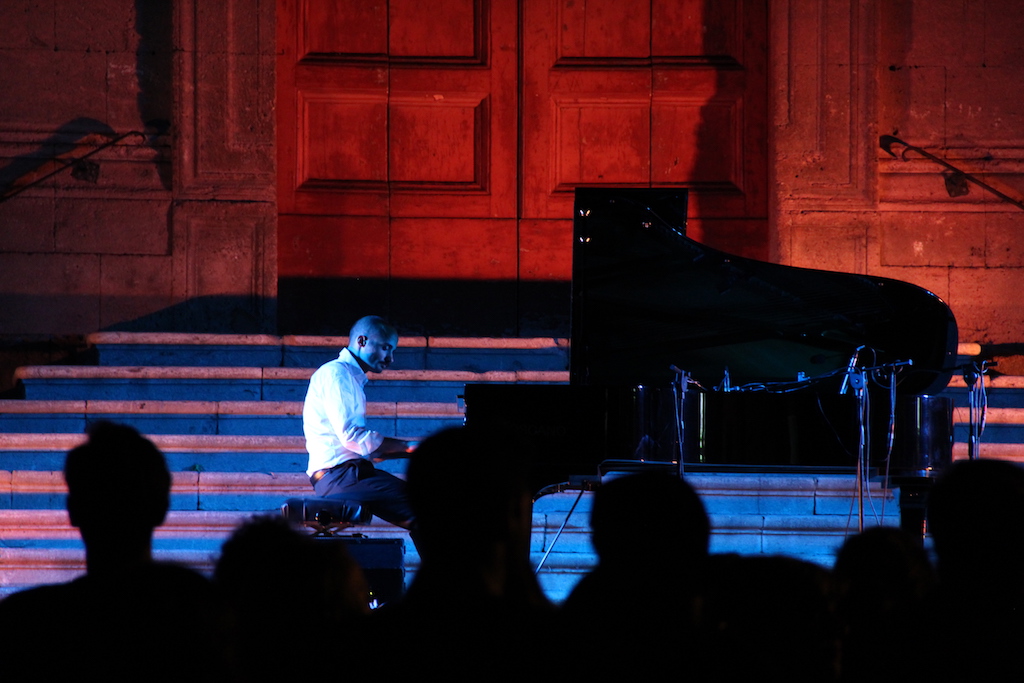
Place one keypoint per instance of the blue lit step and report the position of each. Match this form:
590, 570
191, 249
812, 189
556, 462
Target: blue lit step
1004, 427
239, 418
40, 546
414, 353
747, 513
184, 453
142, 348
467, 354
1004, 391
122, 383
250, 492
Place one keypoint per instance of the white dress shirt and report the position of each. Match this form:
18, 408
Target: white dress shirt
334, 415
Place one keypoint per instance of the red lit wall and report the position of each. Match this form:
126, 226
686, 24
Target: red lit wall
444, 145
940, 75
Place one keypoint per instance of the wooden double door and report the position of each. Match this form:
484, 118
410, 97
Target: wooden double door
428, 151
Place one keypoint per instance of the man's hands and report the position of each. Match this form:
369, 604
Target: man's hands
393, 448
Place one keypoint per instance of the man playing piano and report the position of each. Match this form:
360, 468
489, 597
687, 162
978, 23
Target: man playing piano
342, 449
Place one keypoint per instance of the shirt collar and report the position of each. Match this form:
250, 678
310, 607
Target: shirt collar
347, 358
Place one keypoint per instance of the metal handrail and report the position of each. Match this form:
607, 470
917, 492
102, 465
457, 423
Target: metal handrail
955, 182
68, 163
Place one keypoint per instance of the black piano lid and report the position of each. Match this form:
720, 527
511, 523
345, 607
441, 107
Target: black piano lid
646, 297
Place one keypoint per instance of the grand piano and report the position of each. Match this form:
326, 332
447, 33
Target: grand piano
692, 358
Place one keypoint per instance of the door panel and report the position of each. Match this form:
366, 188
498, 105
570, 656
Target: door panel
443, 141
662, 93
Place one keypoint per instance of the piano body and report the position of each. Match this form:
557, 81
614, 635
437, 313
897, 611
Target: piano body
698, 359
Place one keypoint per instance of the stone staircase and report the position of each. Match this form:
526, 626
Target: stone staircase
226, 411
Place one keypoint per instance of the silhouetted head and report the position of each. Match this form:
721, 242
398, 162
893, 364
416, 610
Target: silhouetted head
293, 574
883, 565
278, 580
768, 615
976, 520
649, 516
468, 489
118, 483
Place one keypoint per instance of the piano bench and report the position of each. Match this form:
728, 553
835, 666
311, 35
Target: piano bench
326, 516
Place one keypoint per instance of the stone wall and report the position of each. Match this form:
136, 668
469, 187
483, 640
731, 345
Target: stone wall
941, 75
173, 226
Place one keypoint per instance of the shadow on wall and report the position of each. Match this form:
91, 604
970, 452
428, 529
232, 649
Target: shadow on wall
325, 306
23, 350
154, 22
55, 314
225, 314
154, 71
480, 308
314, 306
71, 140
51, 330
308, 307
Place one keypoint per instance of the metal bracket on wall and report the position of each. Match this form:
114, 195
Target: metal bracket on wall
956, 179
81, 167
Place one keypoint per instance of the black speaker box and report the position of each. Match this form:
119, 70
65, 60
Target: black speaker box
382, 561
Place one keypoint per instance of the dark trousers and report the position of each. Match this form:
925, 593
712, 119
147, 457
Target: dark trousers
382, 493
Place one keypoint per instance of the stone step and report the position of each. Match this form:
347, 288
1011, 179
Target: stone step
206, 454
413, 353
269, 383
252, 492
284, 418
1002, 425
427, 353
800, 515
50, 528
259, 418
993, 416
184, 452
723, 493
155, 383
1013, 452
1001, 391
185, 531
246, 454
143, 348
40, 546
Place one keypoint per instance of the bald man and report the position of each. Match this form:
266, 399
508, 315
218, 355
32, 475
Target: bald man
342, 449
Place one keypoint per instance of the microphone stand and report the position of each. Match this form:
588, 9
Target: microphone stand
856, 379
974, 378
679, 392
680, 385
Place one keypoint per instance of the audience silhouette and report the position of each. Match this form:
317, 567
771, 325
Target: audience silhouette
976, 520
883, 578
474, 607
656, 601
278, 580
128, 617
650, 533
767, 616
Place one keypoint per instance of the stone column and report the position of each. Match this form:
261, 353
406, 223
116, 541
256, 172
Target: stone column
224, 216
